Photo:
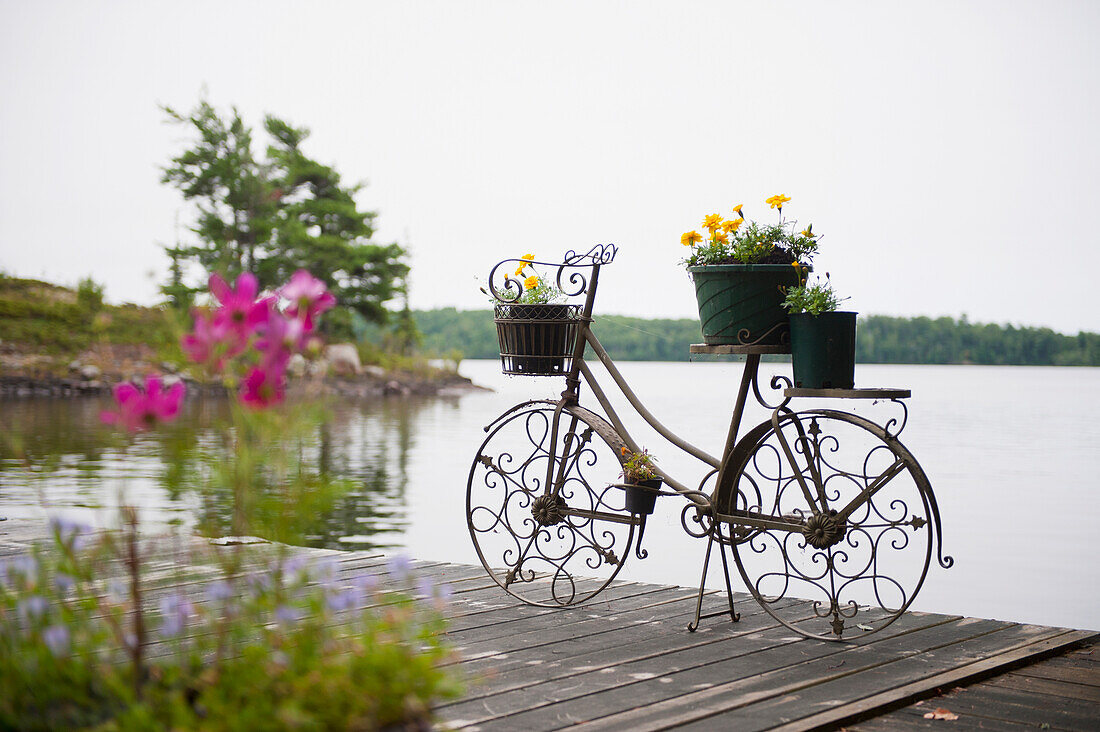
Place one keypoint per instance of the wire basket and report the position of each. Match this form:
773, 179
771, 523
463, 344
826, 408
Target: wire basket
536, 339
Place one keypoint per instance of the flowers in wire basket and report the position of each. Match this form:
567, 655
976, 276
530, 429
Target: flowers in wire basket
537, 289
638, 466
738, 241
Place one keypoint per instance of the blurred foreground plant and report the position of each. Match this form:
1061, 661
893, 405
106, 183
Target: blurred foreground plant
292, 645
87, 643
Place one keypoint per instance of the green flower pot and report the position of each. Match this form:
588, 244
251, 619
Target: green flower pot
823, 350
740, 304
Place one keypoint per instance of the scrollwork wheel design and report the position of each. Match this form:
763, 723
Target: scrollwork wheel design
829, 507
556, 542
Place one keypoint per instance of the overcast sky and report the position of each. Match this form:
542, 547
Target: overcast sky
948, 152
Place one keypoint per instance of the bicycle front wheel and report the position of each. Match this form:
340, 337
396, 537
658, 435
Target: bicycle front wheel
544, 519
829, 507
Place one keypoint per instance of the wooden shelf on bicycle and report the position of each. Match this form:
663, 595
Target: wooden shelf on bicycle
849, 393
736, 350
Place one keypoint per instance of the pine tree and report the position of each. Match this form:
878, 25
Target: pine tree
275, 215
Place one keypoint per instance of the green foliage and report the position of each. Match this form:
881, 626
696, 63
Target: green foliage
59, 320
814, 299
879, 339
89, 295
274, 215
277, 645
882, 339
639, 466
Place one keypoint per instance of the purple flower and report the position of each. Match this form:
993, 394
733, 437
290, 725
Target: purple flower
287, 615
292, 567
70, 533
366, 582
23, 567
399, 566
219, 591
64, 583
174, 610
348, 599
56, 638
258, 584
33, 607
325, 570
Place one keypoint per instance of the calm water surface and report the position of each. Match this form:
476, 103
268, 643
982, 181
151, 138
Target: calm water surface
1011, 453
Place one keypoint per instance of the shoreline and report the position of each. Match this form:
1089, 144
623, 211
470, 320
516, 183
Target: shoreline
374, 383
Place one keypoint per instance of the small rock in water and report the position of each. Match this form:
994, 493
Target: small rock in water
90, 372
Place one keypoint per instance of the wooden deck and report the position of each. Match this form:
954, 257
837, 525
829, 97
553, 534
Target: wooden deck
625, 661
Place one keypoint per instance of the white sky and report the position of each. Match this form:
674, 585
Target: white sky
948, 151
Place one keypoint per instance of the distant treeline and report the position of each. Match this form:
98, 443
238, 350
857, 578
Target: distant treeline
879, 339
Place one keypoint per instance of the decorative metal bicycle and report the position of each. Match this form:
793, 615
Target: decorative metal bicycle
817, 504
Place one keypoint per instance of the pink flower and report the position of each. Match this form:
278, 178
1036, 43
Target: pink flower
202, 344
279, 338
264, 386
139, 410
309, 297
239, 312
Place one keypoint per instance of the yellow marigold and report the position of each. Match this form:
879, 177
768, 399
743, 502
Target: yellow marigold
737, 210
777, 201
691, 238
720, 236
808, 232
731, 226
523, 265
712, 222
531, 282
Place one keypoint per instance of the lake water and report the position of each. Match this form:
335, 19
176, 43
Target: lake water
1012, 454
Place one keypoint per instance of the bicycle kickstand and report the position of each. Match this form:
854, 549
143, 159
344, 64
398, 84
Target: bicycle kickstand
734, 616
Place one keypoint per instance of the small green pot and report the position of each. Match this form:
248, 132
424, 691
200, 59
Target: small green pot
823, 350
741, 304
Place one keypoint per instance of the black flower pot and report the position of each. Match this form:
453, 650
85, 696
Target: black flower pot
823, 350
641, 497
536, 339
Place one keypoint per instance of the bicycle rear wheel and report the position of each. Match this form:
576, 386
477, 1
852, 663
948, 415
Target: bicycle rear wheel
829, 507
557, 542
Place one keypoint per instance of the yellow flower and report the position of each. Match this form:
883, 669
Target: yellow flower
523, 265
731, 226
720, 236
737, 210
531, 282
777, 201
808, 232
691, 238
712, 222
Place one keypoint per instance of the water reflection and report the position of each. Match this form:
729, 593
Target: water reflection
56, 455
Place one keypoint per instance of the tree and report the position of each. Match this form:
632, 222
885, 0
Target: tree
275, 215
